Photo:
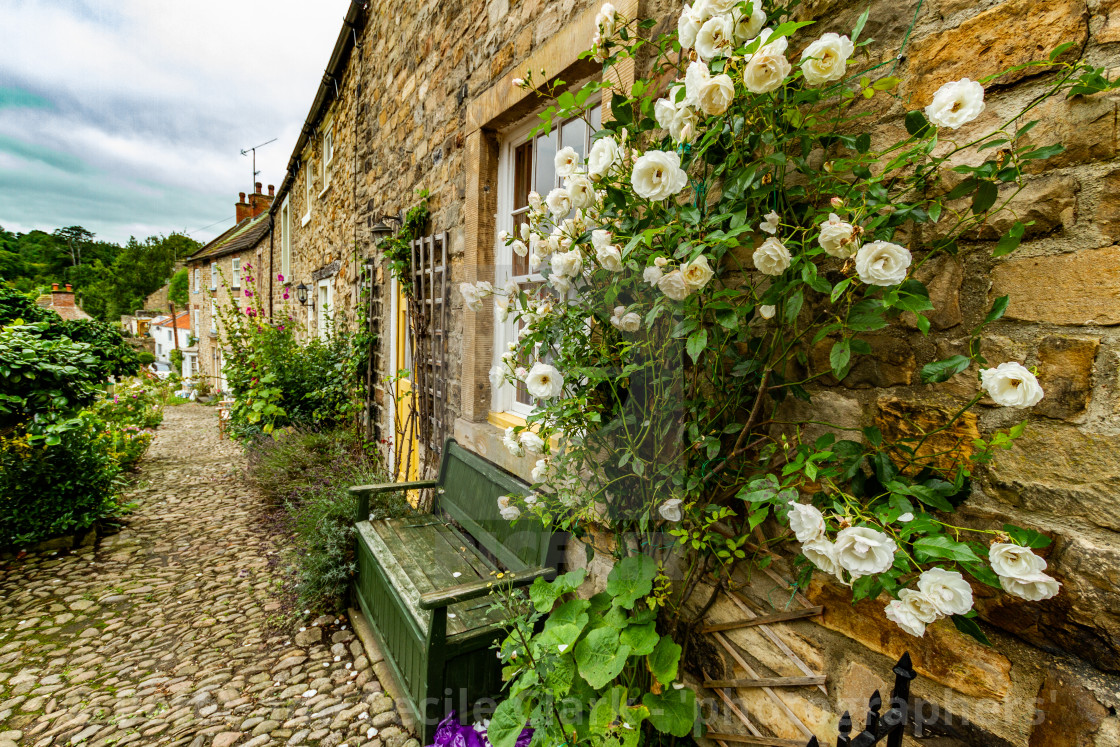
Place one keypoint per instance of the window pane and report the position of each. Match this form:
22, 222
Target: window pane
522, 175
546, 163
520, 264
573, 134
596, 117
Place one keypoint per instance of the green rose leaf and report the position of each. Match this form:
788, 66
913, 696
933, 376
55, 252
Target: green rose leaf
943, 547
933, 373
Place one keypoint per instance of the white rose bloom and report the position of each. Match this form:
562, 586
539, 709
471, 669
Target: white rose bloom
600, 237
912, 611
603, 156
719, 7
1033, 589
607, 21
772, 258
559, 202
882, 263
1011, 385
567, 162
674, 286
822, 554
661, 262
767, 69
837, 237
503, 305
531, 499
770, 225
716, 94
535, 201
748, 27
665, 110
541, 470
652, 275
544, 381
519, 248
1014, 561
581, 190
778, 46
510, 513
767, 311
503, 236
497, 376
695, 76
610, 258
715, 38
471, 297
658, 175
806, 522
630, 322
946, 590
697, 273
534, 261
956, 103
826, 59
863, 551
567, 264
687, 28
683, 128
485, 288
670, 510
532, 443
512, 444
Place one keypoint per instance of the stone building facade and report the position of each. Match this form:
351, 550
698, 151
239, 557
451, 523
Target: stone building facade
419, 97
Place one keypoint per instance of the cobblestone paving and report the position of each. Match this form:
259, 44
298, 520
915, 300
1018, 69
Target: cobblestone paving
159, 635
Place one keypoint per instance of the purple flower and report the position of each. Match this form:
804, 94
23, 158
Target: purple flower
450, 733
248, 293
280, 277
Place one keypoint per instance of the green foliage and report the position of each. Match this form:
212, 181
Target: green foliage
132, 403
51, 490
592, 671
145, 358
397, 249
307, 474
178, 291
176, 357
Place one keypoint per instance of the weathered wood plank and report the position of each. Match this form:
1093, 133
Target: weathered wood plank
762, 741
759, 681
764, 619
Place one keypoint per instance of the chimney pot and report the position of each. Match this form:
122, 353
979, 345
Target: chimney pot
242, 196
258, 188
271, 190
68, 288
54, 286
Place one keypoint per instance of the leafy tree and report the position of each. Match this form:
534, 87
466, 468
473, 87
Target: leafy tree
178, 294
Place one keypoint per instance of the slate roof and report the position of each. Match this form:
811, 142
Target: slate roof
244, 235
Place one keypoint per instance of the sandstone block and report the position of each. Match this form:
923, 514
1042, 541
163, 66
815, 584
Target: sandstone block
1107, 215
944, 655
911, 421
1048, 203
942, 276
1059, 469
1070, 714
1066, 374
891, 362
1077, 288
828, 407
1011, 33
1085, 125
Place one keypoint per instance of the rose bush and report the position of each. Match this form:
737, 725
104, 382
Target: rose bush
758, 221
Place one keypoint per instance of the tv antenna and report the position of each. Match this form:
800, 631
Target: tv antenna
253, 150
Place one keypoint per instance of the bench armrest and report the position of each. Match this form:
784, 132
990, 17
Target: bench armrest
463, 592
363, 492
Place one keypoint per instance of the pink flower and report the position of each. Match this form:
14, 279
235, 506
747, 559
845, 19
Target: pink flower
280, 278
248, 293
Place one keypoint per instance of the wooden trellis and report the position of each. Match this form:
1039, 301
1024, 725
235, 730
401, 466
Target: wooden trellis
428, 317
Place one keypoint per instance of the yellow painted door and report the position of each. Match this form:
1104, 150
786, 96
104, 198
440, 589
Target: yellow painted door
407, 436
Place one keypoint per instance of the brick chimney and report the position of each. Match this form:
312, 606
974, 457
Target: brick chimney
261, 202
62, 297
244, 210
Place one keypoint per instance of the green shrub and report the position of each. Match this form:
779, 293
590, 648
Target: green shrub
307, 474
51, 490
145, 358
133, 402
129, 444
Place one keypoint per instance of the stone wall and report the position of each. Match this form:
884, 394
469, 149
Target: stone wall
408, 118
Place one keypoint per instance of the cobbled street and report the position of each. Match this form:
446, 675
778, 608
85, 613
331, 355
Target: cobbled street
160, 634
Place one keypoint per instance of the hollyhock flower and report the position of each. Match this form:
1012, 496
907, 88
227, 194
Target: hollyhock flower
882, 263
1011, 385
956, 103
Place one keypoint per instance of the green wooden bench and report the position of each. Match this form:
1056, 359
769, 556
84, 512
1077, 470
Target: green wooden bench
423, 583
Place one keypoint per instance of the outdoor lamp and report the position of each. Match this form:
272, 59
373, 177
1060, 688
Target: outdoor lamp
301, 294
383, 229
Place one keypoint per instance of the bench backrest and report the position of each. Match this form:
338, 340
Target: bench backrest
471, 487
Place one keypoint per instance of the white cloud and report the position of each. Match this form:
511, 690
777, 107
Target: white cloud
156, 96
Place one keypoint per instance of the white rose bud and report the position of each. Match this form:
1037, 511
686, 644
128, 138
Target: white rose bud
772, 258
956, 104
826, 59
1011, 385
630, 322
882, 263
610, 258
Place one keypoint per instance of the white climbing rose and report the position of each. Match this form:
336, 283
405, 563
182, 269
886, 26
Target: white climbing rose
544, 381
716, 37
559, 202
806, 522
688, 26
767, 312
603, 156
747, 27
912, 611
956, 103
512, 443
652, 275
712, 94
674, 286
697, 273
1033, 589
822, 554
882, 263
567, 264
609, 257
838, 237
670, 510
826, 59
771, 223
630, 322
567, 162
1011, 385
532, 443
863, 551
767, 68
772, 258
471, 297
658, 175
581, 191
1015, 561
946, 590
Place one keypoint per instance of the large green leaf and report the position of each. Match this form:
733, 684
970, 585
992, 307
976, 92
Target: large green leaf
544, 593
640, 638
600, 657
942, 546
938, 371
631, 579
672, 711
573, 612
506, 724
664, 660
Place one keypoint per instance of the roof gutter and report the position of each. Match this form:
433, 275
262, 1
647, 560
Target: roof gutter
328, 88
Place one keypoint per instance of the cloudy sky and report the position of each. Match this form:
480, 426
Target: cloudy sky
128, 116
